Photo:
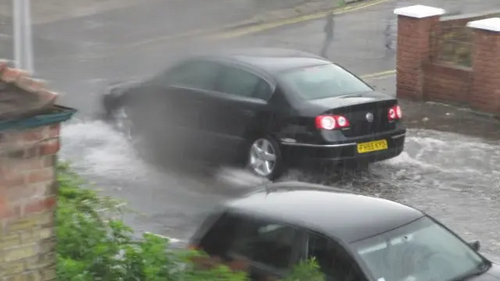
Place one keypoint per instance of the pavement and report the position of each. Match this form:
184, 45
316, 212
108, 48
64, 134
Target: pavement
447, 169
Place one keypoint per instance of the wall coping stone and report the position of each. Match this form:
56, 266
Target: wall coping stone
491, 24
419, 11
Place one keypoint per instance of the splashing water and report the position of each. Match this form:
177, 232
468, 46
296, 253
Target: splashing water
448, 175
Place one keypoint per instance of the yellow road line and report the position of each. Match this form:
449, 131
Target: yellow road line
215, 33
238, 32
379, 74
266, 26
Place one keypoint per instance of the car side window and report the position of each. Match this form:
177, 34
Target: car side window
270, 244
195, 74
333, 259
239, 82
220, 234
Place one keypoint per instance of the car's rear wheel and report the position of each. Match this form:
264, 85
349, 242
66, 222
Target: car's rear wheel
264, 158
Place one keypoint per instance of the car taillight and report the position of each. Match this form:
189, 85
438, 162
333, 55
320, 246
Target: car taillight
395, 113
331, 122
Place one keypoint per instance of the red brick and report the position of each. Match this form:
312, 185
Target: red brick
50, 161
17, 195
3, 205
42, 175
9, 181
414, 49
31, 152
47, 95
37, 134
7, 211
10, 74
30, 164
48, 147
486, 65
54, 130
30, 84
40, 205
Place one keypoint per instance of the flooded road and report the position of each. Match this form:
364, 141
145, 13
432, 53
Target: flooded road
452, 177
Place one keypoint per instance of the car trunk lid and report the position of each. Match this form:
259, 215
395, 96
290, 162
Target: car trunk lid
367, 113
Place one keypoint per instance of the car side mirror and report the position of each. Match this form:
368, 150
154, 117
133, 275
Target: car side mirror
476, 245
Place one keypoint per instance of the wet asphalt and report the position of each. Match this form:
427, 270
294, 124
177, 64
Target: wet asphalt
449, 166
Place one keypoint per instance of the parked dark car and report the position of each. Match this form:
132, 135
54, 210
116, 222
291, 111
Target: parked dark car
266, 107
352, 237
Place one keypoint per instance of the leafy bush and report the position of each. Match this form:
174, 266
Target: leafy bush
94, 245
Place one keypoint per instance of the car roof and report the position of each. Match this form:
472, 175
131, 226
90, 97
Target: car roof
331, 211
270, 60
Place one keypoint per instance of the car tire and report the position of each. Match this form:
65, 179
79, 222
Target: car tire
264, 158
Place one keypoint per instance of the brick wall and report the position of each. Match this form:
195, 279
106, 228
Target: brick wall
423, 74
452, 40
27, 201
485, 92
446, 83
414, 49
462, 20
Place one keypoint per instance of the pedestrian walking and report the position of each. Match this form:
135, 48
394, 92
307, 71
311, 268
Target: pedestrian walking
329, 26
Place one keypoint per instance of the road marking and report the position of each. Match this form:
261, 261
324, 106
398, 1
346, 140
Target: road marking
381, 74
216, 33
318, 15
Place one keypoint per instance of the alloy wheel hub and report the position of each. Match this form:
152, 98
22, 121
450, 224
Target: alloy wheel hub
262, 157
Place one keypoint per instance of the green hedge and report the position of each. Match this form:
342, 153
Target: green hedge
92, 244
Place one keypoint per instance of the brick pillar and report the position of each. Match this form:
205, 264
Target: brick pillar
485, 94
413, 47
27, 192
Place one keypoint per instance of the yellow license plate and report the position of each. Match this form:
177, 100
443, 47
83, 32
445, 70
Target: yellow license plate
372, 146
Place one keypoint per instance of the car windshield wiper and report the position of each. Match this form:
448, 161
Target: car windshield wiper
479, 270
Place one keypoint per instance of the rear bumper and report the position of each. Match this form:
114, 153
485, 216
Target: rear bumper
345, 151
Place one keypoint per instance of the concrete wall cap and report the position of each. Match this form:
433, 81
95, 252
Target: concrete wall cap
419, 11
491, 24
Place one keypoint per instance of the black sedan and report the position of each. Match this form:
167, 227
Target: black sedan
265, 107
352, 237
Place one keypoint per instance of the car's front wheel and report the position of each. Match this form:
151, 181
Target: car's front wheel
264, 158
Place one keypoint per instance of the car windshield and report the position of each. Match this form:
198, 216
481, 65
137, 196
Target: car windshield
323, 81
421, 250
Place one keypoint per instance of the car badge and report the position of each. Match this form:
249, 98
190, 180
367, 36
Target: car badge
369, 117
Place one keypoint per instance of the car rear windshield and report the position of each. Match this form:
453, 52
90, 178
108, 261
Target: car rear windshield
323, 81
